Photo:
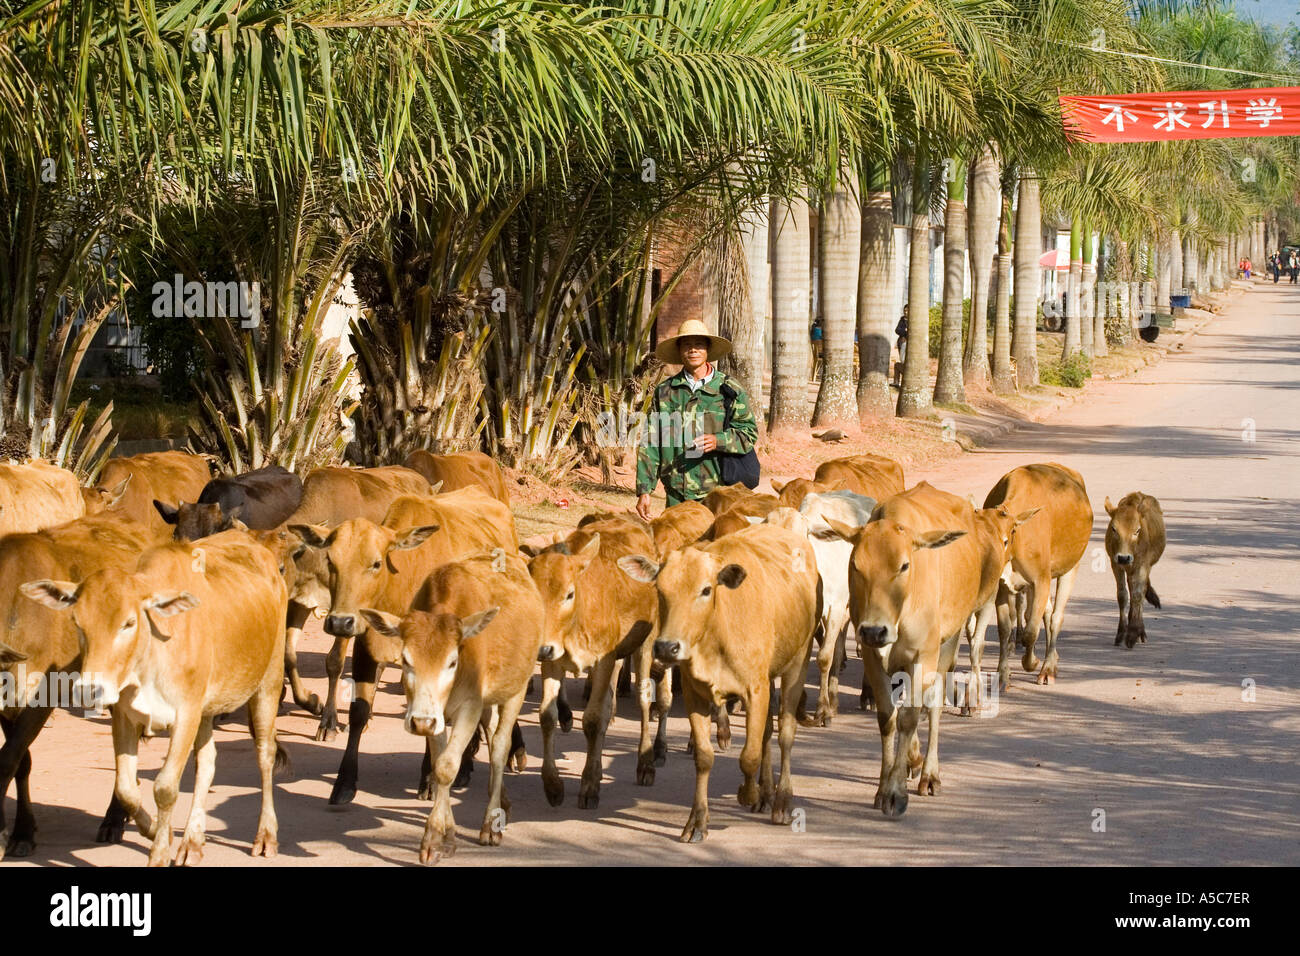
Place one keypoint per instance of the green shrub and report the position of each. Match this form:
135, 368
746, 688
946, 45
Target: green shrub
936, 325
1071, 372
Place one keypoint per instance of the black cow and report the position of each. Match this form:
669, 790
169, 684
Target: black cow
260, 500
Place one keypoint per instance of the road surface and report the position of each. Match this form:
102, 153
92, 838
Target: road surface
1184, 747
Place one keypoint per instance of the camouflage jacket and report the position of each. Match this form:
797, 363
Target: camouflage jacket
676, 417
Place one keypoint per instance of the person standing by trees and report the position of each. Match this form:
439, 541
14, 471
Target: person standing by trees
696, 416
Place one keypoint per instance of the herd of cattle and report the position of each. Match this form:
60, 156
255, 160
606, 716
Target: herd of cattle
420, 566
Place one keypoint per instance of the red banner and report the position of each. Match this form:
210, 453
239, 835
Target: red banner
1196, 114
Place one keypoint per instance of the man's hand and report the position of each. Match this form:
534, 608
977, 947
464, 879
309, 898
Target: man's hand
706, 443
643, 508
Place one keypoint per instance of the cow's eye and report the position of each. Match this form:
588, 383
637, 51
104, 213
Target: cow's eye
906, 565
708, 589
130, 623
375, 566
451, 665
569, 596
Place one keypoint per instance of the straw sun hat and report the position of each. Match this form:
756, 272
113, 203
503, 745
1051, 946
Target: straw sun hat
666, 351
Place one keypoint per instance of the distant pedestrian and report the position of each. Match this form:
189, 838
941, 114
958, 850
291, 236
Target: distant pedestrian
900, 330
1275, 263
1246, 267
1295, 267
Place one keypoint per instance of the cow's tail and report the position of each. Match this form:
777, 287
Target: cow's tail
283, 766
1152, 598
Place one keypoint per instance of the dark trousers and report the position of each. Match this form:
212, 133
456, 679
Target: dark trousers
1294, 272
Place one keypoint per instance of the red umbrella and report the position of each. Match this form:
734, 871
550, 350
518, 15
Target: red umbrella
1055, 259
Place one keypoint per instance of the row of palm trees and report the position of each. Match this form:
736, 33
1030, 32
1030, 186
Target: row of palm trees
516, 188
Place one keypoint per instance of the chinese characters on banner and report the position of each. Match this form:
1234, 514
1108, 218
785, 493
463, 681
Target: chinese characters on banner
1203, 114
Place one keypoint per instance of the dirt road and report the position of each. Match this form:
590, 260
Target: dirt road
1165, 739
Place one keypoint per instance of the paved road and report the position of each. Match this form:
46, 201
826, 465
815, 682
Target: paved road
1159, 737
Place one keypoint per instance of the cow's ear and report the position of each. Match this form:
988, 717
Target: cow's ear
115, 495
1110, 508
168, 512
837, 484
170, 603
757, 519
935, 539
531, 550
469, 626
848, 532
731, 576
58, 595
1026, 515
413, 537
386, 624
313, 535
588, 552
10, 656
436, 486
778, 485
639, 568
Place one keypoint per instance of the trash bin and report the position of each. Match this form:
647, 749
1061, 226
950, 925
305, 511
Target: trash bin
1182, 299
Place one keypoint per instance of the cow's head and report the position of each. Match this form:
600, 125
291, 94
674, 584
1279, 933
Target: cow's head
881, 576
431, 646
793, 492
557, 572
100, 499
197, 520
1000, 526
118, 617
1124, 532
688, 582
359, 566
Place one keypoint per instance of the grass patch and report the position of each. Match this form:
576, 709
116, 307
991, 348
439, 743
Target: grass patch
1069, 373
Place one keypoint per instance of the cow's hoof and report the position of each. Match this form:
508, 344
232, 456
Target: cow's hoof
782, 814
749, 797
432, 851
554, 790
929, 785
519, 760
1046, 677
765, 800
1030, 661
191, 852
565, 715
892, 804
588, 797
343, 793
329, 727
645, 775
1119, 637
489, 837
661, 752
724, 742
696, 829
19, 846
426, 789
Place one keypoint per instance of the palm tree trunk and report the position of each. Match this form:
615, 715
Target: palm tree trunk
1176, 261
1003, 381
914, 396
790, 279
876, 298
1028, 250
1191, 254
1073, 303
948, 385
984, 207
1164, 278
1093, 314
745, 327
840, 249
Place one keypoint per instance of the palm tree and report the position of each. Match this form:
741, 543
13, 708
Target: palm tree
1073, 299
839, 247
1004, 381
876, 297
1028, 250
914, 397
949, 388
791, 272
984, 208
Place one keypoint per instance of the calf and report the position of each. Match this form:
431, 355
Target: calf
1135, 540
464, 668
44, 645
382, 567
1046, 548
910, 595
594, 616
470, 469
260, 500
166, 670
37, 495
735, 615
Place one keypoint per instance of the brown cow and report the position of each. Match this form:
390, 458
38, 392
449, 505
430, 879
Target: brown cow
595, 616
43, 645
164, 670
741, 515
331, 496
736, 614
869, 475
169, 476
793, 492
37, 495
470, 469
1048, 546
679, 525
382, 567
1135, 540
462, 668
723, 497
911, 593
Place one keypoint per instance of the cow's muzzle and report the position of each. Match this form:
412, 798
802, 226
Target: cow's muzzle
548, 652
341, 625
669, 651
875, 635
94, 694
424, 725
1123, 559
